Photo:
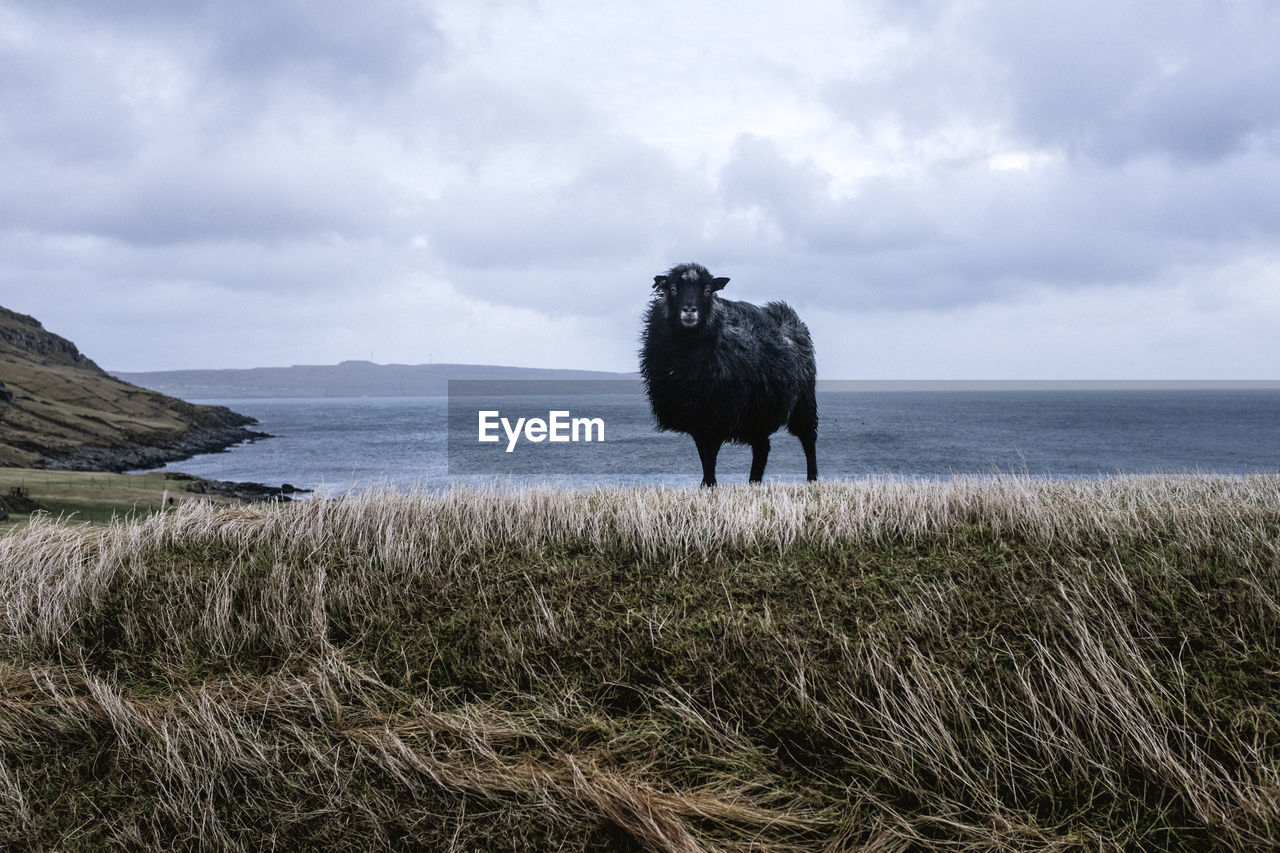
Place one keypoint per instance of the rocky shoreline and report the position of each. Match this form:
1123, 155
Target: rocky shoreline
201, 438
250, 492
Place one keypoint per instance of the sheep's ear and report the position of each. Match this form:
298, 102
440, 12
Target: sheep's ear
659, 282
719, 283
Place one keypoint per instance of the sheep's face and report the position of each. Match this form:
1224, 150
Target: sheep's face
689, 294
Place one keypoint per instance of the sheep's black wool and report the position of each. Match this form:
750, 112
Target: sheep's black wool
722, 370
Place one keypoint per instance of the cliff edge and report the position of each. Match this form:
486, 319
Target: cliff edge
58, 409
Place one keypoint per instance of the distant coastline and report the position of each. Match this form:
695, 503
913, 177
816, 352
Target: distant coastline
368, 379
347, 379
1046, 384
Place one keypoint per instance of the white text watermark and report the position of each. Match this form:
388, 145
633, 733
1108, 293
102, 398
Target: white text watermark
559, 426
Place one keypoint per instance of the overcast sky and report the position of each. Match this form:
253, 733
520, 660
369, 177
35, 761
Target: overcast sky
986, 189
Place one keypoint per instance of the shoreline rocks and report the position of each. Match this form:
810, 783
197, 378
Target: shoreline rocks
201, 438
248, 491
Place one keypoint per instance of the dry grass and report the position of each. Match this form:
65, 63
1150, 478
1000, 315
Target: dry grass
978, 664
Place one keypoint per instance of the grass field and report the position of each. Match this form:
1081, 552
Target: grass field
91, 496
978, 664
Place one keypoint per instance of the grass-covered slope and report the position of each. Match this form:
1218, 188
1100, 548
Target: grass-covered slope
58, 409
979, 664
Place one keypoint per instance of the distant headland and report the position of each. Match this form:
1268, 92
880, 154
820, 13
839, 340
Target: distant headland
347, 379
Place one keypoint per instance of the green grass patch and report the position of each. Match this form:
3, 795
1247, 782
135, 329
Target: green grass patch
90, 496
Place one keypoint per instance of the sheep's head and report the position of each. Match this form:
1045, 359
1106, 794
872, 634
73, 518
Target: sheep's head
689, 291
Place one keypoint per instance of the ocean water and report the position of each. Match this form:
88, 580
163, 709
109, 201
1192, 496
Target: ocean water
336, 445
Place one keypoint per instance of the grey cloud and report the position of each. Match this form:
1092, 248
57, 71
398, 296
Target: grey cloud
758, 175
937, 76
321, 42
222, 157
970, 235
624, 202
888, 215
1206, 110
1109, 80
1116, 80
473, 119
373, 42
64, 115
168, 197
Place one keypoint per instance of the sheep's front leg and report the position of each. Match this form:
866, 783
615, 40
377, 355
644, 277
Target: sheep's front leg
759, 456
708, 450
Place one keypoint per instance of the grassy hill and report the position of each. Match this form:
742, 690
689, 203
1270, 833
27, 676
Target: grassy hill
985, 664
60, 410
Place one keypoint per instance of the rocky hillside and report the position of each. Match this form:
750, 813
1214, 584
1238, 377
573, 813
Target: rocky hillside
60, 410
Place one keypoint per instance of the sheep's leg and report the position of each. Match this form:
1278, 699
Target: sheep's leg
804, 426
809, 443
759, 456
708, 450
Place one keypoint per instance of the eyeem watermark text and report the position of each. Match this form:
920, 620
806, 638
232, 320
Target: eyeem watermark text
559, 426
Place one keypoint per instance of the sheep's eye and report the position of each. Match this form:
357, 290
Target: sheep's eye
672, 290
706, 291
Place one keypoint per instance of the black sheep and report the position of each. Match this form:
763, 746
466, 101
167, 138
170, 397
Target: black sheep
722, 370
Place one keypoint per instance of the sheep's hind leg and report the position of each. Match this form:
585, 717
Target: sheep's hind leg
708, 450
809, 443
759, 456
804, 426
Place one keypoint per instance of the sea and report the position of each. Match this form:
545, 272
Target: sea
338, 446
